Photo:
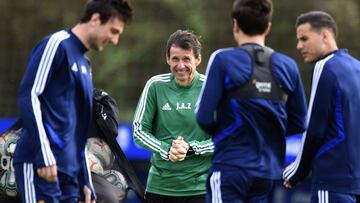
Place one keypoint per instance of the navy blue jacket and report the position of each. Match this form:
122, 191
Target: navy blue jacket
55, 101
331, 145
250, 134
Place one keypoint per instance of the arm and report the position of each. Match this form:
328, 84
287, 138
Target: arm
180, 149
143, 120
321, 105
296, 106
203, 148
41, 66
210, 96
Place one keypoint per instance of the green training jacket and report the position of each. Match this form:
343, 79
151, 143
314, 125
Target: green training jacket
164, 112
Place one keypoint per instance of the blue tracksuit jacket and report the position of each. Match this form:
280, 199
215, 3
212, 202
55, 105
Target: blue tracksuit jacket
331, 145
250, 133
55, 100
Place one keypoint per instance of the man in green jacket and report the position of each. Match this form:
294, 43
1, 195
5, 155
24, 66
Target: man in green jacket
165, 124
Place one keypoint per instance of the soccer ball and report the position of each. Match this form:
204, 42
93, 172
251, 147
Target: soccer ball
101, 150
115, 178
8, 142
94, 164
7, 183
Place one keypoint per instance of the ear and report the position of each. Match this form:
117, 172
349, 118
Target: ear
95, 18
267, 31
198, 61
236, 27
168, 60
326, 35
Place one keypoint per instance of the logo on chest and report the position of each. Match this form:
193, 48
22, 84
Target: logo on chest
166, 107
76, 69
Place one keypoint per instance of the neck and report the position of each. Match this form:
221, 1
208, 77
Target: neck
242, 39
79, 31
330, 47
184, 83
333, 46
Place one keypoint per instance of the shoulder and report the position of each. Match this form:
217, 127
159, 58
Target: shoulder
281, 60
327, 65
338, 66
60, 35
50, 46
230, 57
228, 52
56, 39
159, 79
340, 58
202, 77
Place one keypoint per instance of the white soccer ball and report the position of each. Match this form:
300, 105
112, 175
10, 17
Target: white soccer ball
115, 178
8, 142
94, 164
101, 150
8, 183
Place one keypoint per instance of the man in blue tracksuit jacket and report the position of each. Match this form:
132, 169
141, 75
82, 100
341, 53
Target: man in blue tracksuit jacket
330, 147
249, 103
55, 100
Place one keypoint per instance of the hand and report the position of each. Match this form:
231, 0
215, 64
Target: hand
178, 149
175, 155
49, 173
287, 184
87, 194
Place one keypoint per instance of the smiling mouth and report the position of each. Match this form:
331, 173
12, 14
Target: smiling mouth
182, 70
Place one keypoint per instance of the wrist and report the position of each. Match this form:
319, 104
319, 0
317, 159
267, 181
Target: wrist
190, 151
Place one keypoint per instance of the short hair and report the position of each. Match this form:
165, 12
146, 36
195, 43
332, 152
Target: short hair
252, 16
184, 39
107, 9
318, 20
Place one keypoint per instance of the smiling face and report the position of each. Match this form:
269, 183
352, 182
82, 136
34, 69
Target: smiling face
310, 43
183, 64
104, 34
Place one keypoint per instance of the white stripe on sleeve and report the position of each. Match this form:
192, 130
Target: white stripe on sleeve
38, 88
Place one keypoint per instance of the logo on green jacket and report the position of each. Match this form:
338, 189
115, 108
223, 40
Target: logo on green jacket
166, 107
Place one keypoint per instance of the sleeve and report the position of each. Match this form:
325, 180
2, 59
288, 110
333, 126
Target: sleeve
210, 95
296, 106
143, 120
323, 95
202, 148
44, 59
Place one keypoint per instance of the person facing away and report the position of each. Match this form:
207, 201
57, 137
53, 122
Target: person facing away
253, 97
165, 124
55, 101
330, 146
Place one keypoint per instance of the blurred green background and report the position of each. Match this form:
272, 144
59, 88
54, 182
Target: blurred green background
124, 69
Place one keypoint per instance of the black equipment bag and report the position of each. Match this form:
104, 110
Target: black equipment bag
106, 118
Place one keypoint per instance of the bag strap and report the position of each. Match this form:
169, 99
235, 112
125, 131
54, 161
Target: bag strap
124, 163
262, 83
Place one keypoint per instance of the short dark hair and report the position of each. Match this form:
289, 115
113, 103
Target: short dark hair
252, 16
107, 9
318, 20
184, 39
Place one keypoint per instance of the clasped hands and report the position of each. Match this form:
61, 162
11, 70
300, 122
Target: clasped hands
178, 149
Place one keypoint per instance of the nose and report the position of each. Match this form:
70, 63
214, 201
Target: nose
299, 45
115, 39
181, 64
